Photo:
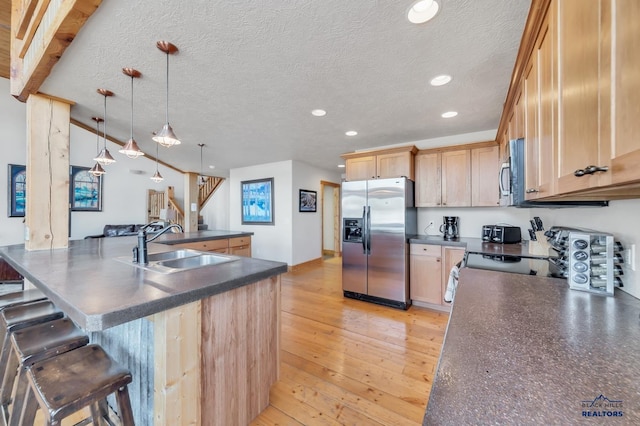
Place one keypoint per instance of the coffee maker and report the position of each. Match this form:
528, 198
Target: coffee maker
450, 227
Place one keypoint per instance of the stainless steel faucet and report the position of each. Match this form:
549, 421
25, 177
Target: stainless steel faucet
140, 251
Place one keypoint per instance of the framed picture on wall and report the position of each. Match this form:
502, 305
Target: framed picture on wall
85, 190
257, 202
308, 201
17, 190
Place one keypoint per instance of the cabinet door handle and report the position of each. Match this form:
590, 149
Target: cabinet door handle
438, 260
589, 170
531, 190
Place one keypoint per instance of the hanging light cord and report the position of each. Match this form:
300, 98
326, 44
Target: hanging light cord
132, 107
97, 136
157, 154
104, 126
167, 104
201, 174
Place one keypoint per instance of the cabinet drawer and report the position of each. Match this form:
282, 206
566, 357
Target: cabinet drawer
425, 250
239, 241
209, 245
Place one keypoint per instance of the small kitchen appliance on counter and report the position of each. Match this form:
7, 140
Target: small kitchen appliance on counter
590, 260
450, 227
501, 234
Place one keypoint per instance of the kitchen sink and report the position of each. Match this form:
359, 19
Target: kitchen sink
169, 255
195, 261
178, 260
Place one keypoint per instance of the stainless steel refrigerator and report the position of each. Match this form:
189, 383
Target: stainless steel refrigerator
378, 217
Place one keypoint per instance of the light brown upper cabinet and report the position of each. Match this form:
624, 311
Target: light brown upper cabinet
625, 146
443, 178
578, 68
580, 89
458, 176
484, 177
388, 163
539, 114
428, 188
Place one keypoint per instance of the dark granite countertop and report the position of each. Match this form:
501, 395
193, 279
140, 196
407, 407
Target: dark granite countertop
192, 237
523, 349
97, 291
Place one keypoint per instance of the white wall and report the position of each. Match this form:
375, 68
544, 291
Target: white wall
14, 151
125, 185
216, 212
294, 237
619, 219
270, 242
307, 227
124, 193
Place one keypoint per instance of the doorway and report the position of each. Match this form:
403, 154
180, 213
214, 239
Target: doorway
330, 210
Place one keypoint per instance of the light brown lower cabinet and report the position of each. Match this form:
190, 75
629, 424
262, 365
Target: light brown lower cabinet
429, 267
237, 246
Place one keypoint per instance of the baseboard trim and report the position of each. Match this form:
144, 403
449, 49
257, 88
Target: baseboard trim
299, 266
432, 306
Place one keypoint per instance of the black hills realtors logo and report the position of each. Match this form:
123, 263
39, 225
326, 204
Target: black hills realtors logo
601, 406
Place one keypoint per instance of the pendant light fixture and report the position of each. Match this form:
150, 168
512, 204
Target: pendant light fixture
165, 136
104, 157
131, 149
157, 177
202, 178
97, 169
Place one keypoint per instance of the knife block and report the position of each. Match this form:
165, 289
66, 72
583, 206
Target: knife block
540, 247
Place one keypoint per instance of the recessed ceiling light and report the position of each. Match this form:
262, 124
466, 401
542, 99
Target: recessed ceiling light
212, 166
351, 133
423, 10
440, 80
319, 112
341, 166
449, 114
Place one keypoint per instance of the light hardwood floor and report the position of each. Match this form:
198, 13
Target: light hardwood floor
349, 362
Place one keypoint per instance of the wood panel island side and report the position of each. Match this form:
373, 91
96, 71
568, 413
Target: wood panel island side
203, 344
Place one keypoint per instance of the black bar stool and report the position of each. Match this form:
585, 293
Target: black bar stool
64, 384
31, 345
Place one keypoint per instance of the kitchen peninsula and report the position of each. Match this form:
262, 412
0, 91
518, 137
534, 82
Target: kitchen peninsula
202, 343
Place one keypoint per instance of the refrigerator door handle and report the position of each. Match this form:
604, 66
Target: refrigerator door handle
364, 229
368, 234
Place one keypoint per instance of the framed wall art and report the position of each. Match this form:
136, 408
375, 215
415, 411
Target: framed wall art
257, 202
85, 190
17, 190
308, 201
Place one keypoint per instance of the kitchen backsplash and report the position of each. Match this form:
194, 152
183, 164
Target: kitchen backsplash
619, 219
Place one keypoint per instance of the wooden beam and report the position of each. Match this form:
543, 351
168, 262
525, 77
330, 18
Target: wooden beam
177, 356
47, 201
190, 199
65, 20
5, 37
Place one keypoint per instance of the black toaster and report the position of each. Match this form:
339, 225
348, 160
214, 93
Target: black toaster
501, 234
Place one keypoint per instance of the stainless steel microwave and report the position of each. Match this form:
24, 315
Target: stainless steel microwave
512, 183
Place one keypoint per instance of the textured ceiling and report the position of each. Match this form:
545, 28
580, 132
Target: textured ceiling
249, 73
